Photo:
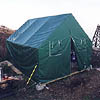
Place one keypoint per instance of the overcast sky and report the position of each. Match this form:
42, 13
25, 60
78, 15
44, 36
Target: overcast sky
13, 13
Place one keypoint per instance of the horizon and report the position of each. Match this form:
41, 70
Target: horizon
14, 13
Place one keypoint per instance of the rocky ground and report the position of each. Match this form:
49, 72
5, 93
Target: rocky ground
96, 58
82, 86
6, 30
4, 34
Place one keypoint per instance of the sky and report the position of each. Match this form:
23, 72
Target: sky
14, 13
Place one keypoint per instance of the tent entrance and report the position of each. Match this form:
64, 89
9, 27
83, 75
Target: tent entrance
74, 62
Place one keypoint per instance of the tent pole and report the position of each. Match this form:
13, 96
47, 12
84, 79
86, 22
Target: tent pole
64, 77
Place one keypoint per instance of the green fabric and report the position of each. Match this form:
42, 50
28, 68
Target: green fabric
24, 58
48, 69
49, 46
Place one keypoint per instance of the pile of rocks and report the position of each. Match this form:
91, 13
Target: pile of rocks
4, 34
5, 30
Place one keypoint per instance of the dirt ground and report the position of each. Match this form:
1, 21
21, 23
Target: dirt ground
83, 86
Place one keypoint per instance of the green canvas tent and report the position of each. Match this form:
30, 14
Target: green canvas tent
46, 42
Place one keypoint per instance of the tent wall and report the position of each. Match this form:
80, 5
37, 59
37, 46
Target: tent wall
24, 58
54, 64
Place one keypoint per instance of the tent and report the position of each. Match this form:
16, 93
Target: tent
46, 42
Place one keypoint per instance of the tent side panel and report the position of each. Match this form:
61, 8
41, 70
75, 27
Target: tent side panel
54, 62
24, 58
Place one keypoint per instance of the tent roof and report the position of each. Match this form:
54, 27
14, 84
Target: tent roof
37, 30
